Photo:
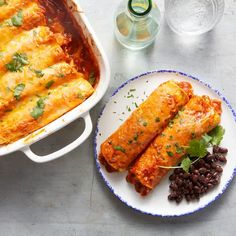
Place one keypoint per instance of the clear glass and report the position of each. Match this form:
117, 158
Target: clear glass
193, 17
137, 23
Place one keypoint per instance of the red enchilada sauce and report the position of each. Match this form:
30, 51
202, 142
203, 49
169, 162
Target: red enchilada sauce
61, 19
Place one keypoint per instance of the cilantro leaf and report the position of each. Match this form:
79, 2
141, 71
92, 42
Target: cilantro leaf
19, 60
170, 154
38, 109
49, 84
197, 148
207, 139
185, 164
119, 148
217, 135
39, 73
17, 19
3, 2
61, 75
18, 90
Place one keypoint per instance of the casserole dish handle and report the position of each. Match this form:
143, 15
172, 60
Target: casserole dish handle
42, 159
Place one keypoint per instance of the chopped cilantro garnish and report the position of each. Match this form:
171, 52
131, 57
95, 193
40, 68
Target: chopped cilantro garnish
39, 73
38, 109
135, 137
119, 148
145, 123
17, 20
130, 141
19, 60
18, 90
61, 75
49, 84
130, 96
170, 154
128, 108
157, 119
80, 95
3, 2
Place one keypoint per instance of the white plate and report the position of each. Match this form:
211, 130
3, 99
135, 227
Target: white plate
116, 111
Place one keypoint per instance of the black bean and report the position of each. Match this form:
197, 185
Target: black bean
186, 175
215, 181
173, 186
222, 159
202, 179
172, 177
209, 185
196, 172
213, 165
179, 182
194, 178
201, 162
196, 189
202, 170
179, 199
172, 196
209, 175
215, 174
209, 158
181, 175
219, 169
222, 150
207, 166
215, 149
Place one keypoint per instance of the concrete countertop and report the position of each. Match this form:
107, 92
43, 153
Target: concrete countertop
67, 196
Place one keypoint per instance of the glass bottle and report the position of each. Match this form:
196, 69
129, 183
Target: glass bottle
137, 23
193, 17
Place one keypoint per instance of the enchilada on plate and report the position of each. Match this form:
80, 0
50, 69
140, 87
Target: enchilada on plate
147, 121
199, 116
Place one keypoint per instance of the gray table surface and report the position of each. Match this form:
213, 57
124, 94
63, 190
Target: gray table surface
67, 196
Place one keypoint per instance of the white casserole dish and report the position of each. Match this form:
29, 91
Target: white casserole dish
80, 111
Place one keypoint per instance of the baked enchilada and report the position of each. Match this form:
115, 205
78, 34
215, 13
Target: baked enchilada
198, 117
46, 68
145, 123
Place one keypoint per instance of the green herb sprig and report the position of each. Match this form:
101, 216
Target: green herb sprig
198, 148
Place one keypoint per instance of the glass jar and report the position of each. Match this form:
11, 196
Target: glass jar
137, 22
193, 17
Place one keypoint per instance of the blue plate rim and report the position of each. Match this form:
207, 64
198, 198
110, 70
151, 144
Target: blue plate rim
96, 133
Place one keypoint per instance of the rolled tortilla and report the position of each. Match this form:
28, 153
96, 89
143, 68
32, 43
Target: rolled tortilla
34, 81
198, 117
32, 16
39, 110
145, 123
